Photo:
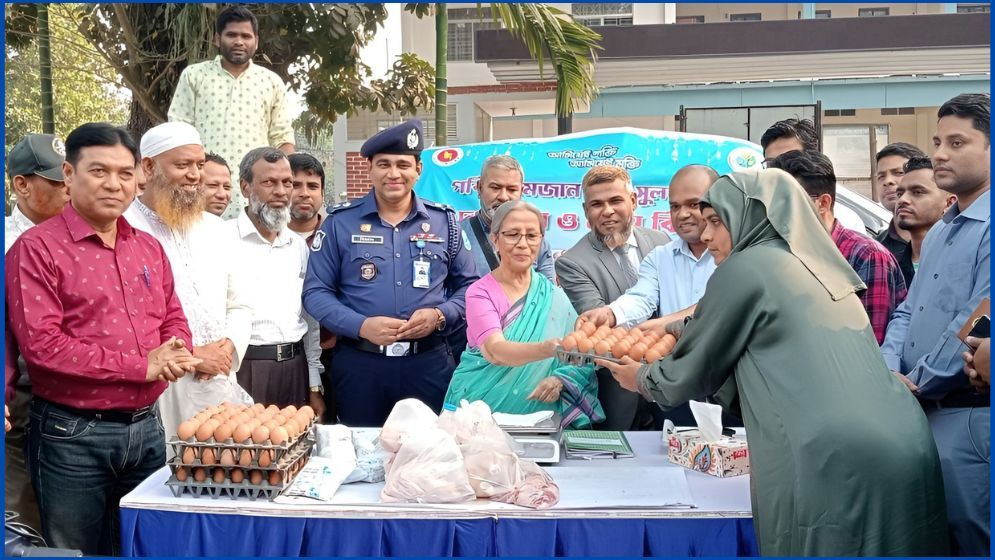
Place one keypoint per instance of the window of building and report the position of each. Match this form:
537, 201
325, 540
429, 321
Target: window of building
974, 8
691, 19
840, 112
463, 25
363, 125
744, 17
823, 14
603, 13
873, 12
898, 111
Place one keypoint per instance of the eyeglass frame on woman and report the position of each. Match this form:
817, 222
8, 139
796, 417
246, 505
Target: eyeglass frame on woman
514, 237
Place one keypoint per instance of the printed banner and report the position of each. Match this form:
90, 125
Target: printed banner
555, 166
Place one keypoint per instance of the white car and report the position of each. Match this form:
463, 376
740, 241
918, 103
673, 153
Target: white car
852, 207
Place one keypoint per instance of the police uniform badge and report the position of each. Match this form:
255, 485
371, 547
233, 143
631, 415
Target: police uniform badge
319, 236
365, 228
413, 139
368, 271
426, 227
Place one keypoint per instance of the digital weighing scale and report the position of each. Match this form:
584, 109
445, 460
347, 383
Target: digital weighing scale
539, 443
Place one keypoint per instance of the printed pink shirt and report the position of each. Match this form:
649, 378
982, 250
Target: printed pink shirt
85, 316
486, 304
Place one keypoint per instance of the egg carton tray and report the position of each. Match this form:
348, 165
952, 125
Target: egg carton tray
250, 451
288, 467
583, 358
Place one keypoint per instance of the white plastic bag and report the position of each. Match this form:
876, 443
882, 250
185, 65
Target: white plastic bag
428, 468
409, 416
370, 457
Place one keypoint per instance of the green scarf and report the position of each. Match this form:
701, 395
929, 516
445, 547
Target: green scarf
546, 313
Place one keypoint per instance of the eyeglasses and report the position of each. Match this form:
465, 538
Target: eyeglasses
513, 237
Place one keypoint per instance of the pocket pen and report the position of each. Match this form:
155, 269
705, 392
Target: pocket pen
147, 275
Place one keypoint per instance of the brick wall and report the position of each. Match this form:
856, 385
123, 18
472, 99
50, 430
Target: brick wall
514, 87
357, 180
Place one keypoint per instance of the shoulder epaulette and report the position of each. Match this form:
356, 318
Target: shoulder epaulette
338, 207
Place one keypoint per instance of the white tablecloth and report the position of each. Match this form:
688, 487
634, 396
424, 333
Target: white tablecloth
599, 487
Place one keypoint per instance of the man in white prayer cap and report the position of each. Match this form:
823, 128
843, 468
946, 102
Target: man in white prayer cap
171, 209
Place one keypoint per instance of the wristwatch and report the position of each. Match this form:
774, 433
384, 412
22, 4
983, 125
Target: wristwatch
442, 320
317, 389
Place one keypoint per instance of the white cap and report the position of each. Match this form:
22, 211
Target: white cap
167, 136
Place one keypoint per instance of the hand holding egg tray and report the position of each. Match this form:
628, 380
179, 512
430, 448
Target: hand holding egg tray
230, 450
590, 342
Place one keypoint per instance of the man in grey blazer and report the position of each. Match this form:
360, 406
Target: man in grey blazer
600, 268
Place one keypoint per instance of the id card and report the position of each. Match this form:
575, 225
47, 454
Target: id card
420, 278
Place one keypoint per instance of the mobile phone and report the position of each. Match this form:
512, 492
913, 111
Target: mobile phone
982, 327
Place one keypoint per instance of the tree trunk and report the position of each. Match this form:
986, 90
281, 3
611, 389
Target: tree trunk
139, 121
441, 94
45, 71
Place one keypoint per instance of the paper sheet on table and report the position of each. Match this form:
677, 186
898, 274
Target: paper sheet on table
521, 420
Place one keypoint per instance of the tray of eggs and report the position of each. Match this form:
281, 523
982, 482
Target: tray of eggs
234, 450
590, 342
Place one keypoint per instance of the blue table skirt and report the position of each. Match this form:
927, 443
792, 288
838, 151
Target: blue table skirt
165, 533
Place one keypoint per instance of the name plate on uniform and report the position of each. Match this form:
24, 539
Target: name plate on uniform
368, 239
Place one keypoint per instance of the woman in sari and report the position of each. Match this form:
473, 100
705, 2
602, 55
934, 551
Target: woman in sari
842, 461
515, 319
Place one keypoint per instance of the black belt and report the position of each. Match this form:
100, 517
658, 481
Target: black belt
961, 398
119, 416
397, 349
275, 352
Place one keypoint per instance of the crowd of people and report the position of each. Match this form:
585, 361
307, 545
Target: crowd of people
132, 304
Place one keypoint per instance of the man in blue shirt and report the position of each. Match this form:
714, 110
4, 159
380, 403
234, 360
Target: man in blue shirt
921, 345
672, 277
388, 274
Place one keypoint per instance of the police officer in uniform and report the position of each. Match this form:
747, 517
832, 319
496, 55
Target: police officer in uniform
388, 274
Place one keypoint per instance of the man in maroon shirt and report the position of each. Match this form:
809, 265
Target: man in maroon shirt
92, 306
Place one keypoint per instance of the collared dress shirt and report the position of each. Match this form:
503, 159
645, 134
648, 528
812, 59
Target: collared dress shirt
671, 278
233, 115
212, 295
954, 276
273, 276
86, 316
879, 270
902, 250
13, 226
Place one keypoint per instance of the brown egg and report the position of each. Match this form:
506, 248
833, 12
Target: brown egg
636, 333
293, 428
308, 410
638, 350
619, 332
227, 457
621, 348
650, 337
245, 458
187, 430
207, 456
569, 343
603, 331
652, 355
223, 433
588, 328
237, 476
667, 344
270, 425
265, 457
189, 456
181, 474
273, 408
290, 408
275, 478
258, 407
206, 430
602, 348
260, 434
279, 435
256, 477
611, 339
219, 475
585, 345
241, 433
199, 474
254, 423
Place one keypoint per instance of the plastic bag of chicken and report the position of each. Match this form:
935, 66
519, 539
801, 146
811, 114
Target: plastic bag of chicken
427, 468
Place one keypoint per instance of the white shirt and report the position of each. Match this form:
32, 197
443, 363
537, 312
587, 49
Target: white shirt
671, 278
275, 274
13, 226
213, 299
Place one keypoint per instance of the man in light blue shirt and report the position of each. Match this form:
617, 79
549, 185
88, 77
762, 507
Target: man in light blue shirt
672, 277
921, 345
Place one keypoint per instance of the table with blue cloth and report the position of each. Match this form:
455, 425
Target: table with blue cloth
155, 523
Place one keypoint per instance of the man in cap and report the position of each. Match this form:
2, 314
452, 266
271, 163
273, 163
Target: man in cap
201, 254
34, 166
388, 275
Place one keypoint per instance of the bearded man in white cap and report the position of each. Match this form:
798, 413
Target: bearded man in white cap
199, 251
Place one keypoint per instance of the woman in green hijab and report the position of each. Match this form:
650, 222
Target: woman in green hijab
842, 460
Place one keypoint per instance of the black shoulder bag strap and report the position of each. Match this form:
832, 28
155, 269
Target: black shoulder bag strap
483, 243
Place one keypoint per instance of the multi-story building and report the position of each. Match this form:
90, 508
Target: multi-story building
870, 74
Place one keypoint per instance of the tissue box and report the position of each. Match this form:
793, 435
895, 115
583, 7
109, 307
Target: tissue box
726, 457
